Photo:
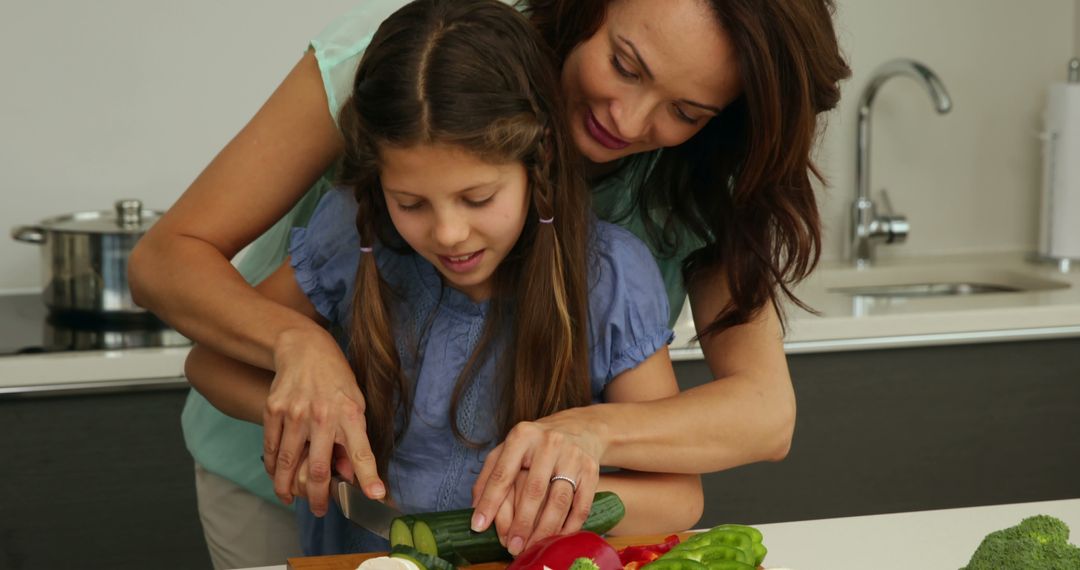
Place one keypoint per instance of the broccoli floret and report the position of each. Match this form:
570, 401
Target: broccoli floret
1037, 543
1045, 529
584, 564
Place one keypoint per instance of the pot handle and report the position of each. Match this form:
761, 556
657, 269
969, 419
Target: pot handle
28, 234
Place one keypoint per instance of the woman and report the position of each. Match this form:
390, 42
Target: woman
729, 89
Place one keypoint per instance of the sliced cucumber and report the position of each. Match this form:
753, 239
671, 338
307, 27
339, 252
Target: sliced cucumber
424, 561
424, 539
401, 531
448, 535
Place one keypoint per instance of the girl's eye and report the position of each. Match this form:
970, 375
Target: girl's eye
410, 207
479, 203
684, 117
620, 68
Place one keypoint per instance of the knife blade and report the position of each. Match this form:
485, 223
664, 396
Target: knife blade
373, 515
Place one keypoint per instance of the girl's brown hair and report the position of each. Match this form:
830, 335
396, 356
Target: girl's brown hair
742, 184
476, 75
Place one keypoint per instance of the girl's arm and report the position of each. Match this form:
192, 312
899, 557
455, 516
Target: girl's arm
656, 503
641, 491
180, 270
236, 388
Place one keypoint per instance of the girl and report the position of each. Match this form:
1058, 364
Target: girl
697, 118
484, 296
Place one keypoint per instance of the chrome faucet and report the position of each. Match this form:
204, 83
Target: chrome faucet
867, 227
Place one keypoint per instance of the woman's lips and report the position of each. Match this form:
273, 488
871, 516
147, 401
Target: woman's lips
462, 263
601, 135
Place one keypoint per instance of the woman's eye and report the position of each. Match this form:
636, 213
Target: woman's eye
684, 117
621, 69
410, 207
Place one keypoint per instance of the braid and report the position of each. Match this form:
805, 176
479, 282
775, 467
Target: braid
372, 349
540, 170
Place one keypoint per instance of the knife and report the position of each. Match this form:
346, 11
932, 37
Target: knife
373, 515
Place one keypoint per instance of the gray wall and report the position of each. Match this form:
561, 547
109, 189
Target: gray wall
122, 98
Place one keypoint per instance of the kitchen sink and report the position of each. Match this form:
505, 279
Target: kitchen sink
925, 289
936, 281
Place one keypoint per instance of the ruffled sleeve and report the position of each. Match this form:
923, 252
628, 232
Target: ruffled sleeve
325, 255
628, 305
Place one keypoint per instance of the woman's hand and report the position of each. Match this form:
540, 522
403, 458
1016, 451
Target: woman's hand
515, 487
314, 398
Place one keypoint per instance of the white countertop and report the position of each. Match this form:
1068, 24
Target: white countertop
94, 369
942, 539
33, 371
1050, 308
926, 540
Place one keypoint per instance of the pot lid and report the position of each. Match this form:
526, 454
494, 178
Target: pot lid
127, 216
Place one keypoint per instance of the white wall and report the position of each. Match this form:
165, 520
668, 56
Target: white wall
968, 181
122, 98
1076, 30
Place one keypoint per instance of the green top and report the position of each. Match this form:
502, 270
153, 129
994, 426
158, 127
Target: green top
231, 448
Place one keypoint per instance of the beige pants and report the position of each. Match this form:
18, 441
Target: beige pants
243, 530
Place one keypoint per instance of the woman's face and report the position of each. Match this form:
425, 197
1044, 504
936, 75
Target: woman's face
459, 212
650, 77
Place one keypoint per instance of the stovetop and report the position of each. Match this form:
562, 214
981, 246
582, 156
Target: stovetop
27, 327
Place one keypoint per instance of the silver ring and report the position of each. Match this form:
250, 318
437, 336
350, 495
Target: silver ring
565, 478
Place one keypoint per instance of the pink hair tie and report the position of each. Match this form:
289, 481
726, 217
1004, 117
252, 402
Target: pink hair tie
547, 220
367, 249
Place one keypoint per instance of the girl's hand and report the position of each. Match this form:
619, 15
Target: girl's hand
300, 482
314, 398
516, 483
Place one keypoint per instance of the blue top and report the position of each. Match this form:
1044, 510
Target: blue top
432, 470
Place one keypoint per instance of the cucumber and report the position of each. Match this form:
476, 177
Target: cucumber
424, 561
401, 531
424, 539
448, 534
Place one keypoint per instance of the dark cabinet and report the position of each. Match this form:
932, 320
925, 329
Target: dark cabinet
97, 481
104, 480
914, 429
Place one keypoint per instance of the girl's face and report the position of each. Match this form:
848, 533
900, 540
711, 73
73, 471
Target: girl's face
460, 213
650, 77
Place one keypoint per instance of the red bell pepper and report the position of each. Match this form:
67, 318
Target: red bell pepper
559, 551
644, 553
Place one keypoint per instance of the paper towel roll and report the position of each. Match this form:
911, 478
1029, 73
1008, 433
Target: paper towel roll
1060, 221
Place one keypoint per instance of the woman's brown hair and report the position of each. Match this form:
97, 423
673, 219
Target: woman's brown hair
742, 184
476, 75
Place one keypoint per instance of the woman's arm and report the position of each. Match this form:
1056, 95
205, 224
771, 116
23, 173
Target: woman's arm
180, 269
246, 392
745, 415
535, 507
237, 388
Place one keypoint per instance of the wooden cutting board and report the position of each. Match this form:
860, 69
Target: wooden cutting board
351, 561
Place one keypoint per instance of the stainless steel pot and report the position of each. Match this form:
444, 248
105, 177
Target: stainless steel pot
85, 256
